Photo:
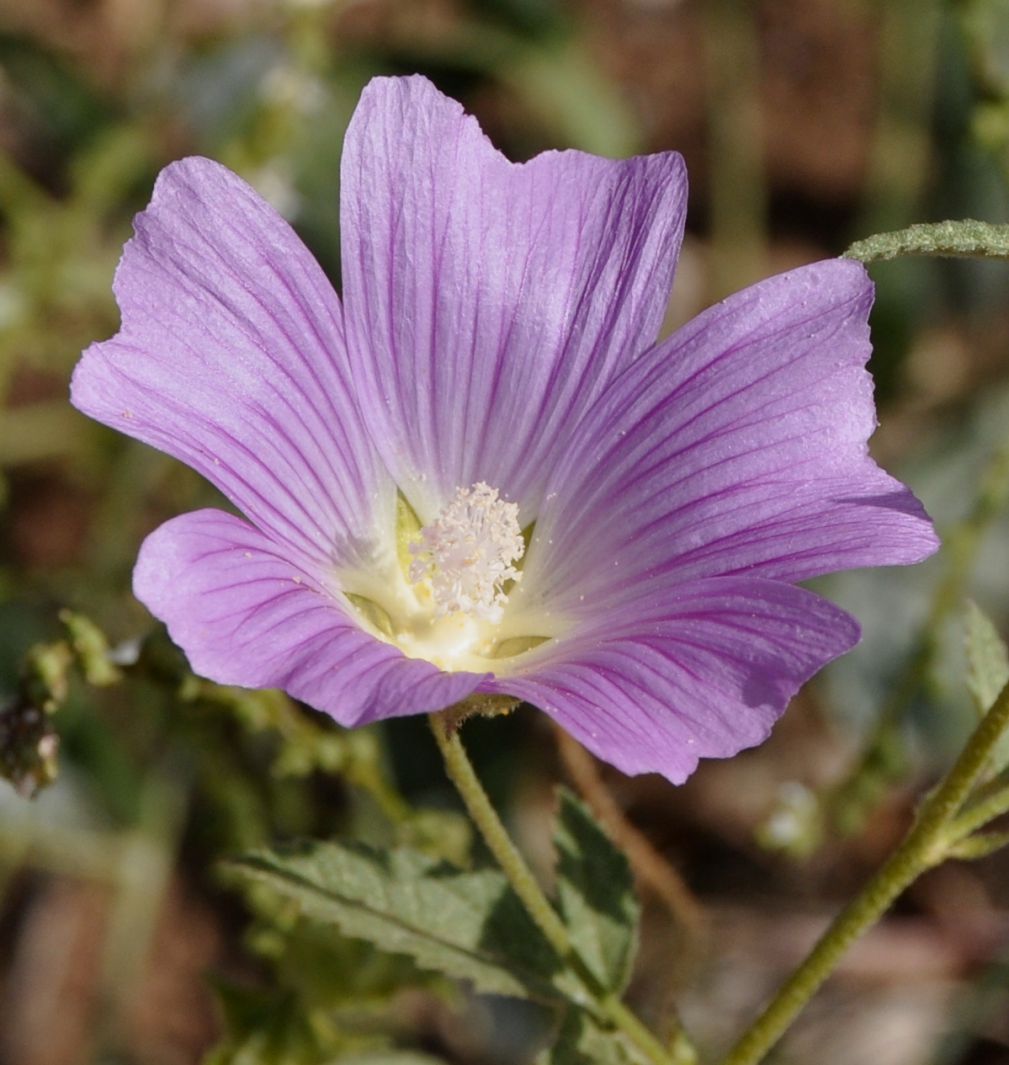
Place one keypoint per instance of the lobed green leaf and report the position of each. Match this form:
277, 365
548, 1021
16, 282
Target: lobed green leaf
987, 658
987, 670
468, 925
595, 891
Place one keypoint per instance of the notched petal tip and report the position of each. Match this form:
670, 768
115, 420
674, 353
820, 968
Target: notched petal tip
415, 104
480, 292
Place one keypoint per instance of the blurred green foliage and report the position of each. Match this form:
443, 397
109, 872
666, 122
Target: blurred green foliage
158, 773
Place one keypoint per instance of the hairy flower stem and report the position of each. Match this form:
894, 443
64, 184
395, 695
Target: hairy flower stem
495, 835
929, 842
964, 238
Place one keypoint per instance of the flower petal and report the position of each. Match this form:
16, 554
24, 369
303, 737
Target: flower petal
737, 446
245, 615
488, 302
701, 670
231, 357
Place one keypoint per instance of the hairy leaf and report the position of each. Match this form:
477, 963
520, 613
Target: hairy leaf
596, 894
468, 925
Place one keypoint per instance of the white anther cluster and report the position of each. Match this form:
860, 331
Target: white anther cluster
467, 553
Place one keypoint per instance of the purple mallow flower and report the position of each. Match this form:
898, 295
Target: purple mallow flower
478, 472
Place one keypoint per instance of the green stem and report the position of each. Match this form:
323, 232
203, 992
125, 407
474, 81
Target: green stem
461, 773
463, 776
956, 239
979, 813
926, 845
979, 846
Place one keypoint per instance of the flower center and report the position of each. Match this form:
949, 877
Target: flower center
442, 595
467, 555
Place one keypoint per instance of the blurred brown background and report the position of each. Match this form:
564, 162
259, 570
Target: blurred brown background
805, 124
